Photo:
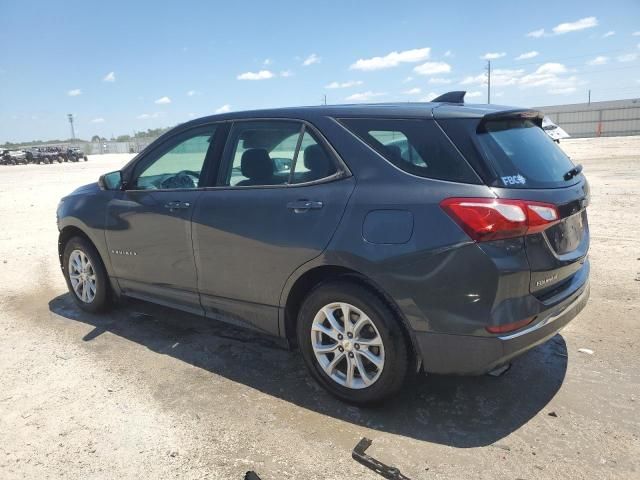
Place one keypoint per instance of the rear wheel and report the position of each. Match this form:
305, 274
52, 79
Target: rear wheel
86, 276
352, 343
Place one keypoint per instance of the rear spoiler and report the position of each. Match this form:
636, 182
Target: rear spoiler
535, 116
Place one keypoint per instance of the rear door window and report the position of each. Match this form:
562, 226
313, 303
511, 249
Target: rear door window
523, 155
414, 145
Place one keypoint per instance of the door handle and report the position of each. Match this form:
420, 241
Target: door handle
300, 206
177, 205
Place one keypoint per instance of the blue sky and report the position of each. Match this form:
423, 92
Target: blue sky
120, 67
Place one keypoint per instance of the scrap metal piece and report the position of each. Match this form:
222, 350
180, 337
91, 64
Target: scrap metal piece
359, 455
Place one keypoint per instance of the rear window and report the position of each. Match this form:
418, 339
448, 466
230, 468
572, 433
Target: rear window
523, 155
416, 146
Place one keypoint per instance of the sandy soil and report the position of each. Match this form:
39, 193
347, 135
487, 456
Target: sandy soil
147, 392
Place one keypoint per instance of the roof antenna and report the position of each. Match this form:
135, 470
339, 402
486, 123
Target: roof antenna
451, 97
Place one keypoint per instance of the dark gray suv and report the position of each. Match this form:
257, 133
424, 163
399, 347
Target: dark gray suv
381, 240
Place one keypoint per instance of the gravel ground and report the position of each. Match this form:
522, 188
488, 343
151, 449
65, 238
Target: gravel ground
147, 392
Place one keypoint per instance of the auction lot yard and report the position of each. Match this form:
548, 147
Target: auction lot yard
148, 392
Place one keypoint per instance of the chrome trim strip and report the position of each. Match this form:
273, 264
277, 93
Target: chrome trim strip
551, 318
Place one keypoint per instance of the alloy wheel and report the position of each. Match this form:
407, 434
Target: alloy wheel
347, 345
82, 276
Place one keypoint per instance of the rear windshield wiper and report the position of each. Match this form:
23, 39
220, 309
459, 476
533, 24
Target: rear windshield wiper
573, 172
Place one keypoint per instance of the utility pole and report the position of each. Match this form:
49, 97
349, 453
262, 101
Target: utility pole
73, 132
324, 99
589, 97
488, 81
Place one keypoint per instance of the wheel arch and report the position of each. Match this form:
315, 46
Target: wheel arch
70, 231
318, 275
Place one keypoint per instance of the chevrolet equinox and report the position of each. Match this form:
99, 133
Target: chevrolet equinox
381, 240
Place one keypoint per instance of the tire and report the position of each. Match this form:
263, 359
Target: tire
384, 328
96, 274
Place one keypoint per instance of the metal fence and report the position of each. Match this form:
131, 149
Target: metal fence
597, 119
134, 146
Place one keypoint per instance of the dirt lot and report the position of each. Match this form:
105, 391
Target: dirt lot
147, 392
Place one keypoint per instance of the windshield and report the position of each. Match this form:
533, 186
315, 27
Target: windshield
523, 155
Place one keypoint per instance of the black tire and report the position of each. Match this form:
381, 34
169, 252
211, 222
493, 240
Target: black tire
103, 298
396, 348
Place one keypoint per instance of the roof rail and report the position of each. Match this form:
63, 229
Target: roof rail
451, 97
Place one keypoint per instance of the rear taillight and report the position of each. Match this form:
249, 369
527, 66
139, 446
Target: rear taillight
487, 219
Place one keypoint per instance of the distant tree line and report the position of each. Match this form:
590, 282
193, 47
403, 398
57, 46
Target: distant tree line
151, 132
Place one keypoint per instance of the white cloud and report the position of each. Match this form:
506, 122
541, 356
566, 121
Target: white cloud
473, 94
432, 68
192, 93
448, 53
439, 81
261, 75
587, 22
163, 101
551, 68
599, 60
428, 97
493, 55
146, 116
610, 33
350, 83
628, 57
500, 77
550, 75
286, 73
412, 91
364, 96
110, 77
407, 80
223, 109
636, 34
562, 91
392, 59
98, 120
536, 33
311, 59
527, 55
267, 61
75, 92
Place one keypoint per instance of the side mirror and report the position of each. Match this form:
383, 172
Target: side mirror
111, 181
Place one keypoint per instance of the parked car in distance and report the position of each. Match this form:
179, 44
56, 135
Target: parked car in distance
554, 131
386, 240
13, 157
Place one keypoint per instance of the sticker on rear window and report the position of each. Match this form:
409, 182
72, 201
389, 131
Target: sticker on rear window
514, 180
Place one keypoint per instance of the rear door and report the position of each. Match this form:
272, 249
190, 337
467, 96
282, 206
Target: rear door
280, 196
520, 161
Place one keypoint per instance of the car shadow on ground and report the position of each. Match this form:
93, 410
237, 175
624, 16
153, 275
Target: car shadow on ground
461, 412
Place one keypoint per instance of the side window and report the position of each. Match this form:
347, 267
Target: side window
261, 152
415, 146
313, 161
180, 166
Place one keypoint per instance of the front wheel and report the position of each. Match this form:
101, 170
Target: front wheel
86, 276
353, 343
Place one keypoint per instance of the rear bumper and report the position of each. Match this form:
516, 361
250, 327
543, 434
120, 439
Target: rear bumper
474, 355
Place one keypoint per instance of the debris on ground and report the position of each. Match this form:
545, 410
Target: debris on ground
588, 351
359, 455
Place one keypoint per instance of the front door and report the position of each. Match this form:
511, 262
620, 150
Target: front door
149, 224
280, 197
